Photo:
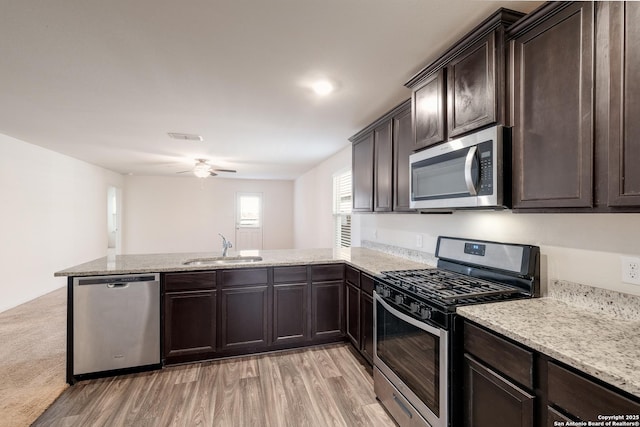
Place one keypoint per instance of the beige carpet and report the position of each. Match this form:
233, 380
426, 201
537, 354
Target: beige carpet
32, 358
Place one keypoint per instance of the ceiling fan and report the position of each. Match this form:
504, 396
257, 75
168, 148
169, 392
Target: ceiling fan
202, 169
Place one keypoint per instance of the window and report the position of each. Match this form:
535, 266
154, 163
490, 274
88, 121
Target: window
249, 210
342, 209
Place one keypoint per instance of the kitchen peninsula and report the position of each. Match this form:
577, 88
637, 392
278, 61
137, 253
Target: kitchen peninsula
212, 307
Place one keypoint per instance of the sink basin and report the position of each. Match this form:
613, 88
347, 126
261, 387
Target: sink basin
222, 260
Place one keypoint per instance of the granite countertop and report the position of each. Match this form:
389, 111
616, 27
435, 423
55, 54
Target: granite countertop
368, 260
592, 340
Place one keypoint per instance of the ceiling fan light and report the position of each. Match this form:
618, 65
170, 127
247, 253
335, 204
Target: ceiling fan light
201, 170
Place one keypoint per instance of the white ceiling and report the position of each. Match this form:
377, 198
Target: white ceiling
104, 81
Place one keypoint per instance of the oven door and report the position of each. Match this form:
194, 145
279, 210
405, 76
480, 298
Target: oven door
413, 356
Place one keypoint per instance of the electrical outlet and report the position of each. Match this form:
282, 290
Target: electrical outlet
418, 240
631, 270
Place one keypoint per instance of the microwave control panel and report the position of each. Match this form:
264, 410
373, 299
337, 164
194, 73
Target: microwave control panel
485, 151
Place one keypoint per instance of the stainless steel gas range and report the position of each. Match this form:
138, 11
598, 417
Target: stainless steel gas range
418, 337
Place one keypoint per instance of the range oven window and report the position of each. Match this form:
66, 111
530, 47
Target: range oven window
412, 354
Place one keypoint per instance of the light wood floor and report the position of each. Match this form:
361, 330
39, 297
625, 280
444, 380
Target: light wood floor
320, 386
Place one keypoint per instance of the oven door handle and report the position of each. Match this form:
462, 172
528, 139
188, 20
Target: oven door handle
417, 323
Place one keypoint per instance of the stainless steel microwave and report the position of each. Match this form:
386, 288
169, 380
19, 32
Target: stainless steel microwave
465, 173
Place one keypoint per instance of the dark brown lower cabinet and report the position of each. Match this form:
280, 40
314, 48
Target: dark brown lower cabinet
583, 398
327, 307
290, 312
244, 317
189, 327
492, 400
553, 416
230, 312
366, 320
508, 384
352, 317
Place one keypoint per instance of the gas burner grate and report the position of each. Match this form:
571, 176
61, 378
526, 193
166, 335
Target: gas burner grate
447, 287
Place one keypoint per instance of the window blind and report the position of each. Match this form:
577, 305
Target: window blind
342, 209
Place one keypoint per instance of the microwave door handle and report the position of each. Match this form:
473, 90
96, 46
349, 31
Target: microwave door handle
468, 167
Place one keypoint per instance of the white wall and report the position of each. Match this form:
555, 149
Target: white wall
313, 202
581, 248
185, 214
53, 215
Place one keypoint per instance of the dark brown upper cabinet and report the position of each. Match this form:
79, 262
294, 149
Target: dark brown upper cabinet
624, 105
402, 149
471, 86
464, 89
574, 90
383, 167
362, 173
428, 106
381, 163
553, 101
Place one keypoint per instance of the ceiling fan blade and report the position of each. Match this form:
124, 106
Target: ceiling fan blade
212, 173
226, 170
184, 171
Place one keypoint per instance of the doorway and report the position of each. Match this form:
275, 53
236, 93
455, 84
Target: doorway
248, 221
114, 209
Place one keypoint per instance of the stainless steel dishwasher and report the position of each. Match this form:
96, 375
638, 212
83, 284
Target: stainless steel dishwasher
116, 322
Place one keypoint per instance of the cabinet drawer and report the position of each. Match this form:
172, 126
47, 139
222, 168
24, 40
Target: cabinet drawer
553, 416
510, 359
366, 283
245, 276
189, 281
352, 275
297, 274
584, 398
324, 273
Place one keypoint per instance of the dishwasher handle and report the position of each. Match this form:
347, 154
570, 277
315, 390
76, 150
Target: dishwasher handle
116, 281
117, 285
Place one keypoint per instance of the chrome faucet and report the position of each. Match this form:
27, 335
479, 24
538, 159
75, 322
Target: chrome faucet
226, 244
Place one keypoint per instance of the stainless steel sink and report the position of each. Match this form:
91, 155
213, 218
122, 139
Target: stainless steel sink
222, 260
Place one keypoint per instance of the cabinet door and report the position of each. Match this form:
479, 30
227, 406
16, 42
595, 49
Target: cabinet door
492, 401
290, 313
583, 398
624, 108
362, 173
402, 148
353, 314
471, 86
327, 310
383, 168
428, 111
189, 328
244, 317
555, 418
366, 320
552, 106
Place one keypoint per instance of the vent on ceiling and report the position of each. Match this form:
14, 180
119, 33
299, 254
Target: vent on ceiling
185, 136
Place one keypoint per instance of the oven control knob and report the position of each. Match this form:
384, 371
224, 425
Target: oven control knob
399, 299
425, 313
383, 291
414, 307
